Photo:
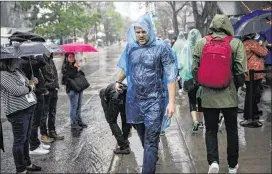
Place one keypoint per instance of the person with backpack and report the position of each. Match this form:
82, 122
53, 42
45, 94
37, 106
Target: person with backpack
220, 67
186, 60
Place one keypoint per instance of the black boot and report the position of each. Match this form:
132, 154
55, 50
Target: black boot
54, 135
83, 125
125, 151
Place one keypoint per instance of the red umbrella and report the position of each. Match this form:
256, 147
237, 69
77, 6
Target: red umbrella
78, 47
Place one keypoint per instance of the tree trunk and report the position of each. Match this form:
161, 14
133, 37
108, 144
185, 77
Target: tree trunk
175, 24
86, 39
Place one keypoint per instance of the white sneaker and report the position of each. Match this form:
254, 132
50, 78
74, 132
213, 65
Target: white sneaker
233, 170
39, 151
214, 168
44, 146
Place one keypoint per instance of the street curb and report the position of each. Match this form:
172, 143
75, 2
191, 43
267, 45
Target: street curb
186, 144
112, 159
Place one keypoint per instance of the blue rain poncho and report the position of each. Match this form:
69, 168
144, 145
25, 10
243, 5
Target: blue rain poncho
187, 54
178, 46
145, 67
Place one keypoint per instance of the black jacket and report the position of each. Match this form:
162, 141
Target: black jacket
50, 74
36, 63
109, 93
69, 72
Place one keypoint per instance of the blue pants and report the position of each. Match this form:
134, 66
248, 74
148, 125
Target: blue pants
75, 99
21, 126
150, 138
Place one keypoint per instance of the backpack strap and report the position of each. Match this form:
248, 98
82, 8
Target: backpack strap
228, 38
209, 38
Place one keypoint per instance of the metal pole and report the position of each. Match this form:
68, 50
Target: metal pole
250, 95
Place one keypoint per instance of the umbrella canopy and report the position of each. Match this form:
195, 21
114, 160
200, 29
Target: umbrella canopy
77, 47
6, 54
25, 36
254, 25
33, 48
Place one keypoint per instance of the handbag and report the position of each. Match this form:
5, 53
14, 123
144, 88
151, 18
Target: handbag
79, 83
188, 85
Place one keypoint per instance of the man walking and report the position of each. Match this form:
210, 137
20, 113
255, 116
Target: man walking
144, 63
220, 77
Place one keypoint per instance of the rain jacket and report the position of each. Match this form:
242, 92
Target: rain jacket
186, 57
178, 46
50, 74
145, 66
255, 57
222, 98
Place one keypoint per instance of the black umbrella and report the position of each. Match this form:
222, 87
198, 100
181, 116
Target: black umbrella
26, 36
6, 54
34, 48
255, 25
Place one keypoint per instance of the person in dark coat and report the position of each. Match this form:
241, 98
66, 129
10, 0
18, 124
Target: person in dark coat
36, 62
113, 104
1, 137
50, 107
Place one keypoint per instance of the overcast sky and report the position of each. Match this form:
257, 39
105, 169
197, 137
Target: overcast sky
130, 9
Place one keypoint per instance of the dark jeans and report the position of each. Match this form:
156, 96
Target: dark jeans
211, 116
255, 94
150, 138
193, 101
21, 126
112, 110
49, 112
33, 139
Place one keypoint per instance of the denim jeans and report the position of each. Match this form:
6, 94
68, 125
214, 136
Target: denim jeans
75, 99
211, 116
33, 139
150, 138
21, 126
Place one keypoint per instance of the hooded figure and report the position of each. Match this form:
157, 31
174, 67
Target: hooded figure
145, 63
225, 100
186, 57
178, 46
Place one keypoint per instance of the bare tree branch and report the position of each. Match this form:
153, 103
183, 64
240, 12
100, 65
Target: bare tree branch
183, 5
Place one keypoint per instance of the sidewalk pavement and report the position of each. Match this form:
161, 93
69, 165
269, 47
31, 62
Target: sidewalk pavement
182, 152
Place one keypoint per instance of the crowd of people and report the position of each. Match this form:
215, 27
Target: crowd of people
152, 68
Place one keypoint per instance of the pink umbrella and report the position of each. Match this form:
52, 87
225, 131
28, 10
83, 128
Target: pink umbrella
78, 47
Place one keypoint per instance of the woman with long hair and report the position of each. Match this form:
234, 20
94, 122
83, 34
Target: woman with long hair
70, 70
19, 102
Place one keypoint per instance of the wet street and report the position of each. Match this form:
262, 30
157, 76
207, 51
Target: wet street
91, 151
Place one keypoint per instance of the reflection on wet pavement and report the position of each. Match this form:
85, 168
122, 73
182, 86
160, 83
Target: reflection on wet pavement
87, 151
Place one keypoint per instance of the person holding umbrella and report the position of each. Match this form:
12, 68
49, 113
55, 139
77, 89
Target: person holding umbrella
71, 71
19, 102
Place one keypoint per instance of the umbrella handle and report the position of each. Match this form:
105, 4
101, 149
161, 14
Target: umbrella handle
32, 74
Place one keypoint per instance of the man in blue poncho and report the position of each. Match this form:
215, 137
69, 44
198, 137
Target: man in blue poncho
147, 63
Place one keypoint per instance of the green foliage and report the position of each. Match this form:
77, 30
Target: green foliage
60, 18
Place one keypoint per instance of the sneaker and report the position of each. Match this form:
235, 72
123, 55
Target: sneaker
46, 139
44, 146
214, 168
233, 170
122, 151
195, 126
39, 151
201, 125
55, 136
33, 167
76, 126
83, 125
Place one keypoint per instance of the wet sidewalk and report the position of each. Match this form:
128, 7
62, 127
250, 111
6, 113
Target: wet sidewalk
182, 152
